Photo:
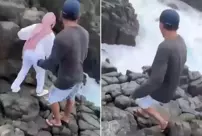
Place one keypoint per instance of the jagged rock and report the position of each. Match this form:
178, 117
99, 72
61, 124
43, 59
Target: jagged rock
17, 107
179, 128
107, 68
110, 80
195, 87
114, 90
194, 3
198, 132
8, 32
44, 133
122, 102
31, 16
129, 87
123, 78
4, 86
119, 22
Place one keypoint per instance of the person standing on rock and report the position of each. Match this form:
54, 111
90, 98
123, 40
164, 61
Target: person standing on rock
39, 40
69, 52
165, 71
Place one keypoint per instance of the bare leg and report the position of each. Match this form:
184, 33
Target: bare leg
56, 112
152, 112
68, 110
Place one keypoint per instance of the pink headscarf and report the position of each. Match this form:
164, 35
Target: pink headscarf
40, 31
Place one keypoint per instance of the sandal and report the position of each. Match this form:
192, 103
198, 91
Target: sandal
65, 121
52, 123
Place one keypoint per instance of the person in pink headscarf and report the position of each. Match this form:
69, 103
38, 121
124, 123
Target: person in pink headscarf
39, 42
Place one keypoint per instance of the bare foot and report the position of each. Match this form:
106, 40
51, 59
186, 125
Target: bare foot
53, 122
141, 113
163, 126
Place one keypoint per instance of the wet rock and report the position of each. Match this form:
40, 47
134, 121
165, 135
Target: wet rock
194, 3
107, 68
119, 17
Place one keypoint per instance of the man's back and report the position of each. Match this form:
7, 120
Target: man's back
73, 42
175, 64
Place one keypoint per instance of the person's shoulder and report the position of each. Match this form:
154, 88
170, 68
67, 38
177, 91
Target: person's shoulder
84, 30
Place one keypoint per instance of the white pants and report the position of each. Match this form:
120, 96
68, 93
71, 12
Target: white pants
27, 63
147, 102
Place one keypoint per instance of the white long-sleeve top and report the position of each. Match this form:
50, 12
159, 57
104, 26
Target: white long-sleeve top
44, 46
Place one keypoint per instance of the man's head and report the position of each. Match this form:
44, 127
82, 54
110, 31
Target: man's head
169, 21
71, 11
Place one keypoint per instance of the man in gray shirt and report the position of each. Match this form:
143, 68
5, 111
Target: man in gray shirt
166, 69
66, 60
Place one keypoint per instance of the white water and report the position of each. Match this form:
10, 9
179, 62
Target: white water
92, 91
133, 58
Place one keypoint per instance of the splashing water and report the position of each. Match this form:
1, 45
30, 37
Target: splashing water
149, 37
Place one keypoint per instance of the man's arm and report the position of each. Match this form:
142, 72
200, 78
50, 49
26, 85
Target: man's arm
158, 71
54, 59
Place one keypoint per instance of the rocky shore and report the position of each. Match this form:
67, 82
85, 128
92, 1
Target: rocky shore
119, 22
118, 119
16, 14
24, 114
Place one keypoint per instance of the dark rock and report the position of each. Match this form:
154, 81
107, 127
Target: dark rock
187, 117
134, 76
114, 90
31, 16
4, 86
111, 74
195, 75
13, 15
15, 106
104, 83
184, 80
179, 128
180, 93
44, 133
110, 80
195, 124
119, 17
197, 132
123, 78
88, 133
129, 88
194, 3
107, 68
195, 87
8, 32
122, 102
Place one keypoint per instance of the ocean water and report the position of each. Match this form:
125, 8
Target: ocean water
92, 91
148, 11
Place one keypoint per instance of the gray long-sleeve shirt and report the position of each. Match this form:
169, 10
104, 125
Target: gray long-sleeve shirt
165, 71
68, 54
